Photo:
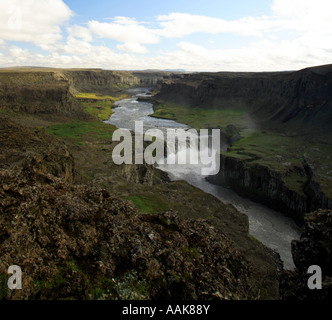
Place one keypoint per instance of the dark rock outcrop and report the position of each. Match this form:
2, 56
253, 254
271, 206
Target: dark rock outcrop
264, 185
75, 242
50, 91
313, 249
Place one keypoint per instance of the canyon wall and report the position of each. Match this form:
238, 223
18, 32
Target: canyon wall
37, 93
300, 100
290, 103
51, 90
108, 82
264, 185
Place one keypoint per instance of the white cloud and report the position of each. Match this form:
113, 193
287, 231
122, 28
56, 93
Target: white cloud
80, 32
36, 21
178, 25
132, 47
126, 30
297, 34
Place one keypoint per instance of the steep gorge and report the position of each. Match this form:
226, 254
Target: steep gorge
293, 177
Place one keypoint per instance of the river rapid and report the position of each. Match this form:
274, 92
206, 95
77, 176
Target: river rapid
272, 228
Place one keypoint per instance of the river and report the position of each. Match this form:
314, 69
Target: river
272, 228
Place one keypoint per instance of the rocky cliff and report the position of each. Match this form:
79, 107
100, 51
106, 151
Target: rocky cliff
40, 93
313, 249
300, 100
294, 106
51, 90
103, 81
267, 186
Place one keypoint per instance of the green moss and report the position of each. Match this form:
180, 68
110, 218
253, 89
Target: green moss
200, 118
256, 240
76, 130
147, 203
191, 252
131, 287
99, 106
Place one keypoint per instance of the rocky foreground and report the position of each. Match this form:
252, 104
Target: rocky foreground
78, 242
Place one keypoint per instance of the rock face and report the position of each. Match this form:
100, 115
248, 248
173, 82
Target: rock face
267, 186
289, 102
314, 248
300, 100
61, 233
76, 242
103, 81
50, 92
37, 93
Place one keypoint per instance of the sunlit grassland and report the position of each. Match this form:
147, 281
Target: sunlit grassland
98, 106
78, 131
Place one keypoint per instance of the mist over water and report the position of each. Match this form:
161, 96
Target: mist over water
270, 227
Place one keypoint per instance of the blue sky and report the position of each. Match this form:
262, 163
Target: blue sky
238, 35
148, 9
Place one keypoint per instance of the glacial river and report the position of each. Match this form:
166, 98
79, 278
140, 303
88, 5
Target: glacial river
270, 227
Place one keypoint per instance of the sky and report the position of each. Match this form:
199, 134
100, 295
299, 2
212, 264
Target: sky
205, 35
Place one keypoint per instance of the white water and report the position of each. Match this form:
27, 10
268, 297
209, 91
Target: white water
270, 227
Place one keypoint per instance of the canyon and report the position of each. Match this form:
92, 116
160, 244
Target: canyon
37, 168
280, 145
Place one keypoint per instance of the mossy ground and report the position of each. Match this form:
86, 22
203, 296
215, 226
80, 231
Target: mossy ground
199, 118
78, 131
98, 106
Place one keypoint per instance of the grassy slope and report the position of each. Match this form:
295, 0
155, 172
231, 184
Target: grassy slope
100, 109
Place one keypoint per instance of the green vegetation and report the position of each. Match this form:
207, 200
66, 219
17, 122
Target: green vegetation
78, 131
100, 109
131, 287
98, 288
95, 96
98, 106
199, 118
255, 240
147, 203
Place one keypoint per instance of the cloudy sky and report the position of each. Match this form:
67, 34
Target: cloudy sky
204, 35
